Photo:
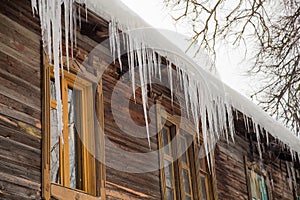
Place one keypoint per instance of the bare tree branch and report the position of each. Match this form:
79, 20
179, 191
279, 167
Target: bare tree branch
276, 33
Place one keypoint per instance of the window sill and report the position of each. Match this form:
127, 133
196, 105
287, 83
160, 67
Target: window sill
62, 193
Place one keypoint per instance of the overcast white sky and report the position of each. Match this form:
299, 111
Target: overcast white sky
230, 64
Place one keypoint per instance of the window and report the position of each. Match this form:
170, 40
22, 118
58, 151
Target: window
204, 178
185, 163
258, 186
257, 181
186, 178
69, 165
169, 170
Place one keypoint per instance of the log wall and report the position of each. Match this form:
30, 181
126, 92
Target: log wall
20, 102
231, 176
20, 120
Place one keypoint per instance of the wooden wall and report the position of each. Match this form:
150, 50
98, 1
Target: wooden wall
231, 176
20, 102
20, 119
135, 185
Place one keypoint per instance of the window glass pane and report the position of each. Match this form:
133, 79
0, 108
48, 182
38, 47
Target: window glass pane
74, 128
52, 90
188, 198
258, 186
165, 141
262, 187
169, 194
54, 150
183, 150
168, 173
200, 160
186, 181
203, 188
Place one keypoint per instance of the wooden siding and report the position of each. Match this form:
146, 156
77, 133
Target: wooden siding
136, 186
231, 176
20, 119
20, 102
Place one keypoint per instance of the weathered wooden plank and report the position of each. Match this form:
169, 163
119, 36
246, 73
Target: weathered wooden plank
5, 196
19, 182
20, 153
20, 132
117, 193
20, 12
20, 107
15, 27
23, 117
26, 72
13, 35
19, 93
16, 54
14, 190
28, 54
15, 169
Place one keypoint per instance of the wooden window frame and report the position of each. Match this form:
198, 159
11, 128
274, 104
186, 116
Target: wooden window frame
94, 170
169, 159
204, 172
263, 173
195, 187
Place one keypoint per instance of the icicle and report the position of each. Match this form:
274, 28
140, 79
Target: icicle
267, 136
67, 23
185, 86
293, 176
144, 92
159, 67
169, 66
112, 39
118, 42
79, 17
34, 6
258, 138
50, 13
289, 175
75, 25
214, 110
131, 44
155, 63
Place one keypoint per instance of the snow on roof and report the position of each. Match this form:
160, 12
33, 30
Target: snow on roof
207, 98
128, 20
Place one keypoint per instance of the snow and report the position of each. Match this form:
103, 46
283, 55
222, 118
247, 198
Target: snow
208, 99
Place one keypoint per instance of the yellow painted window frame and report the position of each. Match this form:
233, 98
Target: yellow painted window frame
88, 163
94, 171
203, 172
195, 170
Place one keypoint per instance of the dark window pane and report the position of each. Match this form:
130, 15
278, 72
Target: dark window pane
188, 198
165, 141
201, 157
52, 90
54, 141
168, 173
186, 181
183, 150
200, 160
169, 194
203, 188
